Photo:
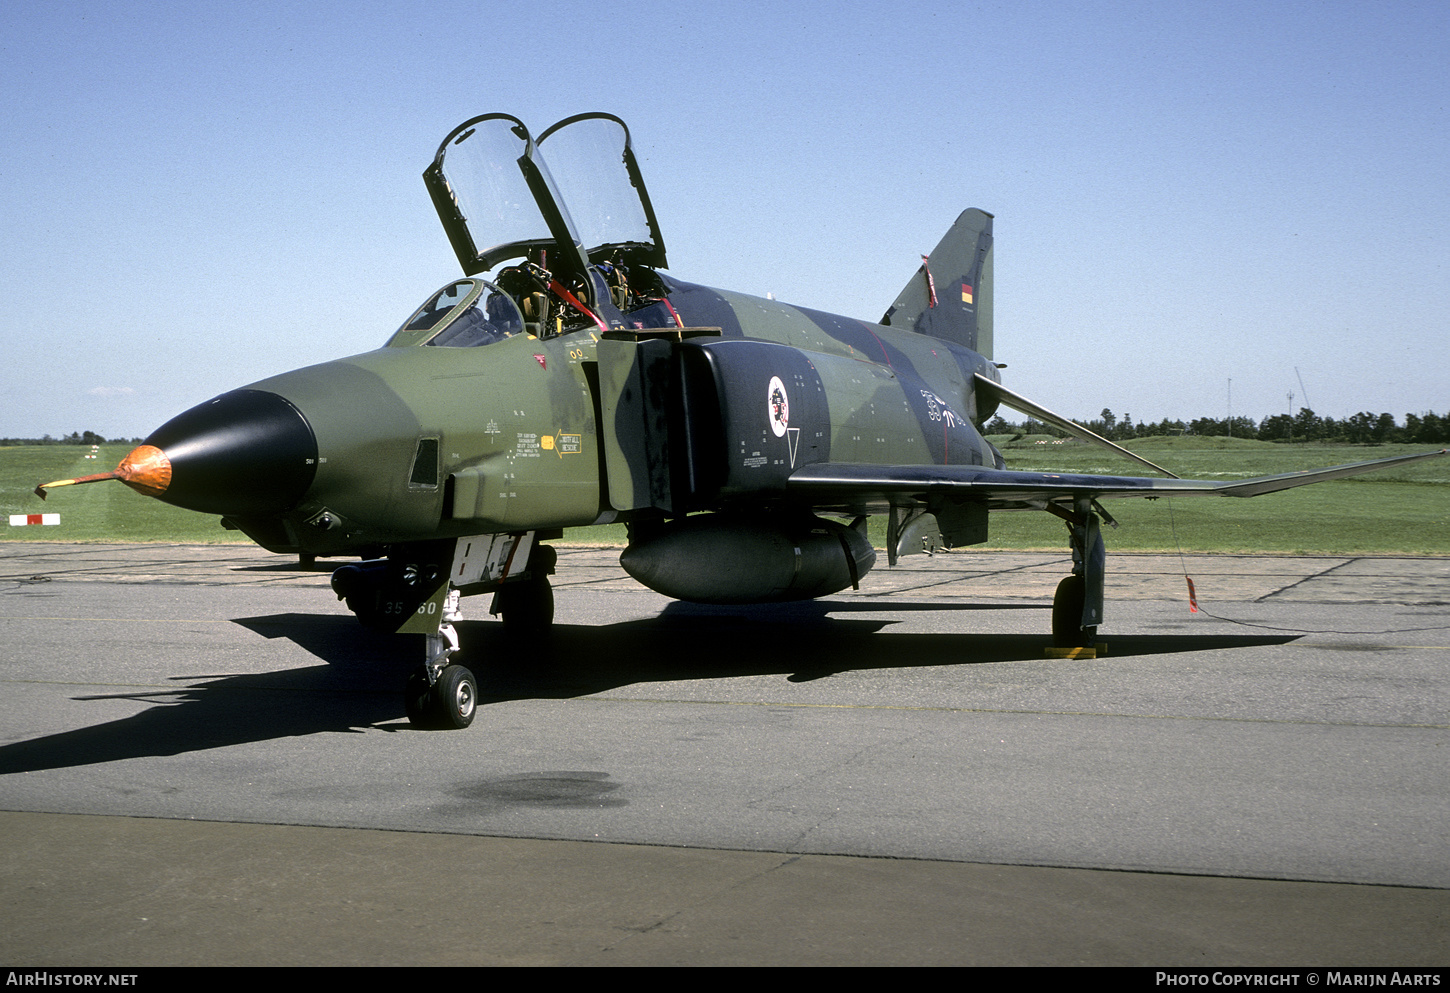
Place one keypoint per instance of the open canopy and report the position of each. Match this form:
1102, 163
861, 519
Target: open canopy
499, 200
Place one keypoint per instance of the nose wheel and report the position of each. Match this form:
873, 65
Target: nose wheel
447, 705
440, 695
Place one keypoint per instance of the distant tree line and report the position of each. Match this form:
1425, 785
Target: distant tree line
74, 438
1363, 428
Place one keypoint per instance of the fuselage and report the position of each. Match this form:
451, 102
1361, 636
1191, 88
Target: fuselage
414, 443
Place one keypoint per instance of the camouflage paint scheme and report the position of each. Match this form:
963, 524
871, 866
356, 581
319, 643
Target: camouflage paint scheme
579, 384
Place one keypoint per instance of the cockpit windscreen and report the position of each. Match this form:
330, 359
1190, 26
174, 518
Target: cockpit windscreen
464, 314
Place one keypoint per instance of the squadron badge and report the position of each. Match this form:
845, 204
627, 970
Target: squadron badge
778, 406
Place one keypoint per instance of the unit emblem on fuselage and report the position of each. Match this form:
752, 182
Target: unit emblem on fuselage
779, 406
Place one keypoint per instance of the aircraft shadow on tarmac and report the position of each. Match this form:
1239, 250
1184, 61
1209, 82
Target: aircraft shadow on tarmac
359, 683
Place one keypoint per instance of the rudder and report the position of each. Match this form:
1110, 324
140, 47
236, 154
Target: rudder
950, 296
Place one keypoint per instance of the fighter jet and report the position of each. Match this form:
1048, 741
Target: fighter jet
568, 380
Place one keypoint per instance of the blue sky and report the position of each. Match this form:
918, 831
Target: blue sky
194, 196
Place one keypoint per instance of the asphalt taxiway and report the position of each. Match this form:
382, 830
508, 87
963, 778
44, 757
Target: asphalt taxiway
204, 759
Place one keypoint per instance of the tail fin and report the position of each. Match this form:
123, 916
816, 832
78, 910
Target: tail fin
950, 297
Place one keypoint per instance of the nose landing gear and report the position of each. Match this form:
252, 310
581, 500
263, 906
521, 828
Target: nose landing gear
416, 590
440, 695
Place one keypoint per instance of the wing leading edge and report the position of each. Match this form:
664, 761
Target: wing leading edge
856, 489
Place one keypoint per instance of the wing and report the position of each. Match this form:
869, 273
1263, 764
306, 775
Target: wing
874, 489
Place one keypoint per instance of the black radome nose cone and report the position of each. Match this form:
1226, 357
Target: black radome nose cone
247, 453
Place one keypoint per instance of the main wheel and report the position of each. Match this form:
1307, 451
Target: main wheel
527, 607
455, 699
1067, 604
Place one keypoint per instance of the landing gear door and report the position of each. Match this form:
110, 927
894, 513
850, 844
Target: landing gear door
593, 164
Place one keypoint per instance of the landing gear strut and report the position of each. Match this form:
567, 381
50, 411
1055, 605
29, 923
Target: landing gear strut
1077, 607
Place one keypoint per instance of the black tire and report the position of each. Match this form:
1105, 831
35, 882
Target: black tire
1067, 629
527, 607
417, 699
455, 699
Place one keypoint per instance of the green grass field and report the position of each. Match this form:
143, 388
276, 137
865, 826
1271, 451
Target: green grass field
1402, 511
106, 511
1405, 510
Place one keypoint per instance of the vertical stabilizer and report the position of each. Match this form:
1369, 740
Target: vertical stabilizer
950, 297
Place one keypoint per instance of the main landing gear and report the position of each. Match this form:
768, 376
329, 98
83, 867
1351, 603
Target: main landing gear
1077, 607
527, 605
